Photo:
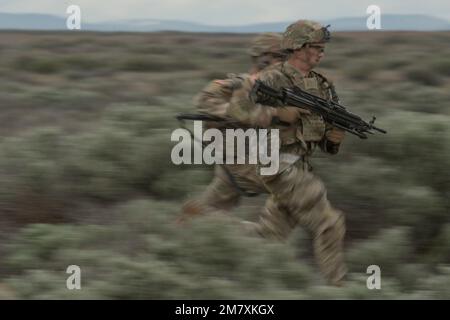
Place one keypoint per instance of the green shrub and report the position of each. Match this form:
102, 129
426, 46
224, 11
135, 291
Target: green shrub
424, 76
363, 71
145, 256
439, 248
393, 188
37, 64
441, 66
438, 285
153, 64
396, 63
389, 250
84, 63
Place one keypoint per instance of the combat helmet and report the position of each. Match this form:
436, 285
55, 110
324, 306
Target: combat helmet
265, 43
304, 31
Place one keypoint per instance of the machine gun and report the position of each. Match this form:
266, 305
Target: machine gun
332, 112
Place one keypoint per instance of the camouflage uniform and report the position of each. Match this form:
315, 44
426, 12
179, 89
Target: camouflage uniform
223, 193
297, 196
215, 97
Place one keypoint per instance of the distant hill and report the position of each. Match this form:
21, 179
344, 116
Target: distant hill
12, 21
31, 21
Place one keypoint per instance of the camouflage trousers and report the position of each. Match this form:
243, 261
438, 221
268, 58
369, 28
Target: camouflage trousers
296, 198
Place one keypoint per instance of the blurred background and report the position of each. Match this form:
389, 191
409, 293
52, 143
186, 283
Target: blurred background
87, 180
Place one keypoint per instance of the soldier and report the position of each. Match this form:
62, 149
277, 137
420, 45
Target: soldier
214, 99
223, 193
296, 195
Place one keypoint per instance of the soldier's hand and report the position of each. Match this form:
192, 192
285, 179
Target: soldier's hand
335, 135
253, 78
300, 110
262, 117
290, 114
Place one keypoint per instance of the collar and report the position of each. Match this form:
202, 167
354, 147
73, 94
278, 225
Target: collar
292, 72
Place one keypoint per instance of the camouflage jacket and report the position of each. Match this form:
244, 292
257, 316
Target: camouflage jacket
308, 131
214, 98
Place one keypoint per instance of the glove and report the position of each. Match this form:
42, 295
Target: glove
335, 135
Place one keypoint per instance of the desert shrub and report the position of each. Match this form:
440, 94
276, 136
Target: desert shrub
423, 76
42, 65
439, 249
144, 256
176, 183
356, 289
116, 163
441, 66
139, 119
185, 40
154, 64
363, 71
140, 254
389, 250
396, 62
46, 169
223, 54
66, 98
152, 49
436, 286
420, 208
362, 188
360, 52
84, 63
393, 188
30, 169
394, 39
406, 186
417, 143
410, 275
423, 99
51, 43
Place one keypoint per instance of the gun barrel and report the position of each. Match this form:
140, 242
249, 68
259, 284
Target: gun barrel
331, 111
379, 130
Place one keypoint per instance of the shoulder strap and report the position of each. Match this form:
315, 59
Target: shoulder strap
328, 85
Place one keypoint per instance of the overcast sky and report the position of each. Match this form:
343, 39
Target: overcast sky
225, 12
